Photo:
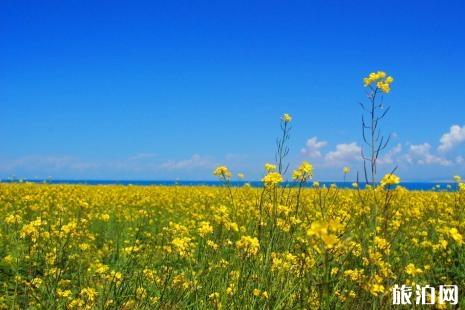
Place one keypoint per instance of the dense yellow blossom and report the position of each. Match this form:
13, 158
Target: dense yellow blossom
205, 229
453, 232
303, 173
222, 172
184, 240
410, 269
390, 179
272, 179
270, 167
383, 82
248, 245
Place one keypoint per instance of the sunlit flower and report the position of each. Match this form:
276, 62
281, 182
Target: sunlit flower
412, 270
270, 167
248, 245
383, 82
303, 172
89, 293
390, 179
205, 229
222, 172
286, 118
272, 179
454, 233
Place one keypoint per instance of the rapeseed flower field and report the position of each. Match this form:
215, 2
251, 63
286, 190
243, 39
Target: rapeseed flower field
274, 247
87, 247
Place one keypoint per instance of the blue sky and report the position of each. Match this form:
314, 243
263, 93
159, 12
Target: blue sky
169, 89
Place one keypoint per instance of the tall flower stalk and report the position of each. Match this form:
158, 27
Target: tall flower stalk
281, 143
378, 84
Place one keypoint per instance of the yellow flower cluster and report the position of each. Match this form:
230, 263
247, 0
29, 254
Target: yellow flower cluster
120, 246
270, 167
390, 179
222, 172
248, 245
303, 173
327, 232
382, 80
410, 269
182, 246
454, 233
272, 179
205, 229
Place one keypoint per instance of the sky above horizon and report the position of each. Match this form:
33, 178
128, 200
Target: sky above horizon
171, 89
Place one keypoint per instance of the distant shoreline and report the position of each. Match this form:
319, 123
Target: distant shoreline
256, 184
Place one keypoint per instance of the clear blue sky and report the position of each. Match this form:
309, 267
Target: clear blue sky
169, 89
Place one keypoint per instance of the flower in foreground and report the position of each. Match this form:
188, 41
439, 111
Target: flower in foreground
222, 172
272, 179
382, 80
327, 232
248, 245
303, 173
454, 233
412, 270
390, 179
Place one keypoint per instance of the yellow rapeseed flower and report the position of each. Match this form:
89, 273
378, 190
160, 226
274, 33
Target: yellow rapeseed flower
303, 173
412, 270
248, 245
454, 233
270, 167
286, 118
383, 82
272, 179
390, 179
222, 172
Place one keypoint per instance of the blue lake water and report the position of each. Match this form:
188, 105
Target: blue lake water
438, 186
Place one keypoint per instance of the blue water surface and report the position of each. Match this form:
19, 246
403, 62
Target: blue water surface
437, 186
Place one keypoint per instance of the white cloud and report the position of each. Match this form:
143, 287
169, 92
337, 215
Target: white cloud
344, 153
449, 140
390, 156
145, 164
53, 163
421, 154
312, 147
196, 161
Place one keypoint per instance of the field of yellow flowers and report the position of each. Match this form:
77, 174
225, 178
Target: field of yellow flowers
304, 246
125, 247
